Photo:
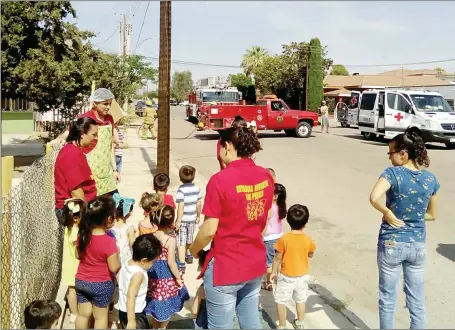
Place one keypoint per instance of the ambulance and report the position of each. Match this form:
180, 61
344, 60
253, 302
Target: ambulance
388, 112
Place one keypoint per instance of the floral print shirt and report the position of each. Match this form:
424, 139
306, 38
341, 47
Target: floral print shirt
408, 198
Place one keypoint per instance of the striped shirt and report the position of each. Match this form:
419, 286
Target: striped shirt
188, 194
119, 151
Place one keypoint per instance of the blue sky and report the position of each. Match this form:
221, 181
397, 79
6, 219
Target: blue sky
219, 32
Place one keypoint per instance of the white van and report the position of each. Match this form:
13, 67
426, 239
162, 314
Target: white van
390, 112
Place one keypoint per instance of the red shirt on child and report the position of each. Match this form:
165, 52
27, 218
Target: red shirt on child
71, 171
93, 263
240, 196
168, 200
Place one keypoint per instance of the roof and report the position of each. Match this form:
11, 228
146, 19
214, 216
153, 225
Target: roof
423, 72
381, 80
341, 92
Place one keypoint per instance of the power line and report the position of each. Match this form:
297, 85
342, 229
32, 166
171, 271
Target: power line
140, 31
99, 43
397, 64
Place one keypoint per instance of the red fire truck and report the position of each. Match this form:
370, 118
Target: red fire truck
268, 113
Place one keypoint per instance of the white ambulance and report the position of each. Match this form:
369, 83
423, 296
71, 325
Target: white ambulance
389, 112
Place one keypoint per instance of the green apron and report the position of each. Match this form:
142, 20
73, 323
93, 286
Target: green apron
100, 161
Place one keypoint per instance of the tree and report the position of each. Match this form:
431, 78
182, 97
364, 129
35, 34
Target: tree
252, 58
240, 80
339, 70
439, 70
316, 75
181, 85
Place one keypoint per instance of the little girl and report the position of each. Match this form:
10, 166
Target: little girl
274, 229
149, 203
166, 292
124, 233
72, 210
98, 258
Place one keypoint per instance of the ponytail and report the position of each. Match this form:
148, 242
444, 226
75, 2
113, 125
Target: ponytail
411, 142
280, 191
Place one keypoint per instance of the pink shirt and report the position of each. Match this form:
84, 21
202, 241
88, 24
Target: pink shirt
274, 228
93, 263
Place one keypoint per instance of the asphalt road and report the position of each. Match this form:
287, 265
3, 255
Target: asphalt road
333, 175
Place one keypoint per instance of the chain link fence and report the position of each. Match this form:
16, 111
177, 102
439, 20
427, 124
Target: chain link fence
32, 242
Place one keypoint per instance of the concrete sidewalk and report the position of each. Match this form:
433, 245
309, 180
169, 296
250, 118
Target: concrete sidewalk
139, 165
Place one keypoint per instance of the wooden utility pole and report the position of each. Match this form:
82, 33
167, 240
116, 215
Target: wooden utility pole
307, 74
164, 88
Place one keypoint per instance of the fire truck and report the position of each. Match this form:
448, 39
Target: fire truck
212, 90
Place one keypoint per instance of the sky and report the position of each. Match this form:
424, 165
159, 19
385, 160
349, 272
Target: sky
219, 32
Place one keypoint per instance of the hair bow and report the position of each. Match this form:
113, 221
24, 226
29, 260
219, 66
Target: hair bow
251, 124
127, 203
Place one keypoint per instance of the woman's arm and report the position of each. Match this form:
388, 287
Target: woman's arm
204, 236
431, 209
379, 189
133, 289
171, 259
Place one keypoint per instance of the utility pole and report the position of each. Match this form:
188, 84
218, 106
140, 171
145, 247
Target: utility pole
120, 38
307, 74
164, 87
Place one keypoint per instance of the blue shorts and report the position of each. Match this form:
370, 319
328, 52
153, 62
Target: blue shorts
98, 293
270, 247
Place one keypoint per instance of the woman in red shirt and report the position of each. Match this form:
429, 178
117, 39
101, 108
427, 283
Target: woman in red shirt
238, 122
72, 175
236, 206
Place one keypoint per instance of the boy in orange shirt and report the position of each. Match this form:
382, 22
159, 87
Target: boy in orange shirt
293, 251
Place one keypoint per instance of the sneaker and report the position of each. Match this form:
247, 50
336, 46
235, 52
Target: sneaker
182, 267
280, 327
189, 259
73, 318
298, 324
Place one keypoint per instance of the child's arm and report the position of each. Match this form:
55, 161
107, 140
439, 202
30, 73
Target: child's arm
133, 289
113, 263
131, 233
200, 294
312, 249
198, 211
276, 264
269, 215
171, 260
179, 215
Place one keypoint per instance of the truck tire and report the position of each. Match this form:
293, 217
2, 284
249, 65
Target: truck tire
368, 136
290, 132
344, 124
303, 129
450, 145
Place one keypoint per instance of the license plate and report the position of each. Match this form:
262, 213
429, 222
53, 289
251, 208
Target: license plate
452, 140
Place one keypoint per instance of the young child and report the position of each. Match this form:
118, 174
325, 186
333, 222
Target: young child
133, 282
124, 233
274, 229
119, 144
293, 250
188, 213
98, 259
72, 210
272, 172
161, 184
42, 314
166, 292
199, 307
149, 203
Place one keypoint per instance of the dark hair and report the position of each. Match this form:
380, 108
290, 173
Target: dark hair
80, 127
187, 173
413, 144
202, 256
69, 215
244, 140
239, 121
280, 191
146, 246
148, 201
164, 217
298, 216
161, 182
119, 210
41, 314
97, 213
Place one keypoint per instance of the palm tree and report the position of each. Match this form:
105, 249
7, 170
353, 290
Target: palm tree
252, 58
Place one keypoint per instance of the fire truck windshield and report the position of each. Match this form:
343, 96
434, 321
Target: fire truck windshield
220, 96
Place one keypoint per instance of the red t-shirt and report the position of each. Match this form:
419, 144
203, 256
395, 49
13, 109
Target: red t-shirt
168, 200
240, 196
93, 263
108, 120
71, 171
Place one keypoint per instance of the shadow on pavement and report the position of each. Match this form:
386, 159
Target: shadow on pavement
151, 164
447, 250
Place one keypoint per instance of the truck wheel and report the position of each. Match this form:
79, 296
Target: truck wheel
290, 132
368, 136
344, 124
303, 129
450, 145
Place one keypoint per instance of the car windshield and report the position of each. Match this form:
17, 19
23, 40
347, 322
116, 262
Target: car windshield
431, 103
221, 96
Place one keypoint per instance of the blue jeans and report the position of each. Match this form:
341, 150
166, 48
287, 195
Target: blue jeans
223, 301
118, 163
411, 257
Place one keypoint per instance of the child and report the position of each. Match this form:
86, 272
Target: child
274, 229
98, 259
293, 250
72, 210
149, 203
133, 282
188, 214
42, 314
119, 144
161, 184
124, 233
199, 308
272, 172
166, 292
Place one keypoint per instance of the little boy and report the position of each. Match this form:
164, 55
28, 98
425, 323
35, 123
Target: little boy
188, 213
133, 282
293, 250
161, 184
42, 314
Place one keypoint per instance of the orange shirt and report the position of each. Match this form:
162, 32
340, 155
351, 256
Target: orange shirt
295, 248
145, 227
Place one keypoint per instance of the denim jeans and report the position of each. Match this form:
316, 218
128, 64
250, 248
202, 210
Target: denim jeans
391, 258
118, 163
223, 301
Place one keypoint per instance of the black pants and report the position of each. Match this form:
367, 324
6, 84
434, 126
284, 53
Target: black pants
141, 320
